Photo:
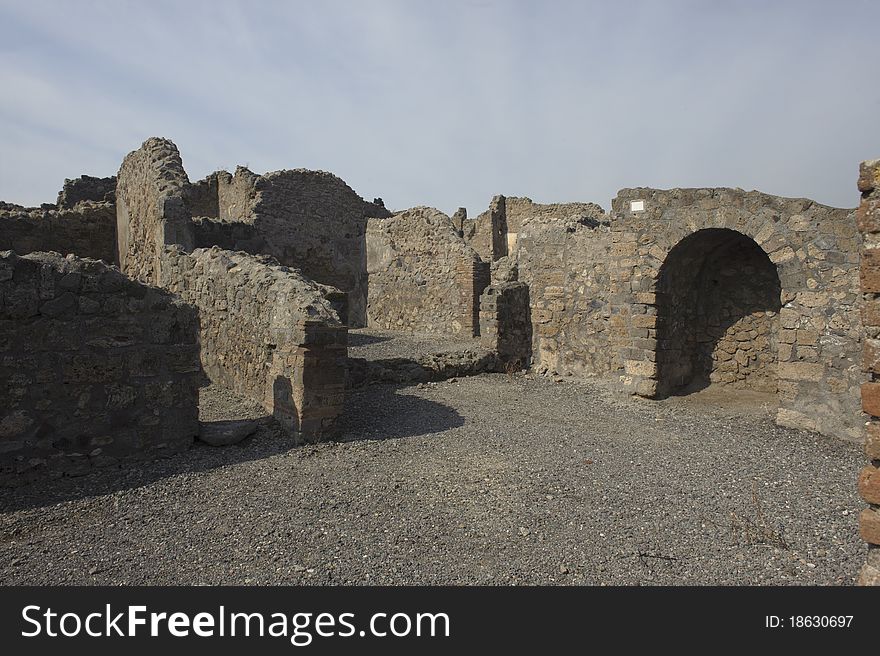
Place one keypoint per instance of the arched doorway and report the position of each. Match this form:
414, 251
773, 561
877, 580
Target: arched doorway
718, 298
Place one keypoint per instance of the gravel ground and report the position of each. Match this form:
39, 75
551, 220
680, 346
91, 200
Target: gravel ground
373, 344
485, 480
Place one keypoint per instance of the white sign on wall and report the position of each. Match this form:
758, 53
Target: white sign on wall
637, 206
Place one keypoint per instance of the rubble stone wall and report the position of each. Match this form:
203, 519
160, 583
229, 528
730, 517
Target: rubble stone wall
95, 368
423, 277
86, 188
813, 333
505, 324
87, 230
151, 210
567, 265
679, 289
267, 333
311, 220
495, 232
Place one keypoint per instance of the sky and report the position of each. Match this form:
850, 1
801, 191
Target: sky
448, 103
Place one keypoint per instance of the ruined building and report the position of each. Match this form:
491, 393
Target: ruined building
253, 281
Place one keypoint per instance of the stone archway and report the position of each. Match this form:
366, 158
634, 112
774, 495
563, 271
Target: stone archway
718, 303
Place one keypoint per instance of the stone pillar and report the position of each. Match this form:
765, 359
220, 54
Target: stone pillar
505, 323
458, 220
498, 222
868, 217
306, 389
471, 279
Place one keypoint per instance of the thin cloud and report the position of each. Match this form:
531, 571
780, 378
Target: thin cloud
447, 104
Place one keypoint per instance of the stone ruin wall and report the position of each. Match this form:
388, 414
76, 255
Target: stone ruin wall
423, 277
95, 369
567, 265
150, 208
603, 303
868, 217
505, 326
82, 222
817, 333
266, 331
308, 219
494, 233
86, 188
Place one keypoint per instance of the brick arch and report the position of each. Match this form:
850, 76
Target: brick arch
774, 237
815, 250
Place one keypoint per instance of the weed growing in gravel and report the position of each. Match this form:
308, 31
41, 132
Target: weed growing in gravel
757, 530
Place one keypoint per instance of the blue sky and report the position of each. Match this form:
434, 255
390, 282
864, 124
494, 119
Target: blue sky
448, 103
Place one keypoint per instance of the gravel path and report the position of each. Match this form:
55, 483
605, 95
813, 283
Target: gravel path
486, 480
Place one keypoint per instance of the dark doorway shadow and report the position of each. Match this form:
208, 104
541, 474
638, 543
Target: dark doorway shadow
718, 302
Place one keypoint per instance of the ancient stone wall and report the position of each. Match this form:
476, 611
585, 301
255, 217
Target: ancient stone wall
86, 188
679, 289
868, 216
87, 230
494, 233
567, 264
95, 369
423, 277
267, 333
691, 274
505, 323
151, 208
306, 219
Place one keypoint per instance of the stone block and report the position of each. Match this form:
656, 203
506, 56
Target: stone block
869, 484
800, 371
872, 440
871, 398
870, 271
640, 368
869, 526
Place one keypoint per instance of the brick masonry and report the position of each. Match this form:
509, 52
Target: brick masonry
868, 217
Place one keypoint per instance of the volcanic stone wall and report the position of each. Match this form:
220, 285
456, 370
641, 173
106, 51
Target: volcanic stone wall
568, 264
494, 233
86, 188
815, 250
267, 333
505, 325
678, 289
423, 277
95, 368
150, 208
86, 230
311, 220
868, 216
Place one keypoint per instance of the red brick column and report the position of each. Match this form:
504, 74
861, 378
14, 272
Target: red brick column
471, 279
868, 216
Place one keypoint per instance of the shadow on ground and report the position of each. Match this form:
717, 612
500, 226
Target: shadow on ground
376, 413
362, 339
381, 412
